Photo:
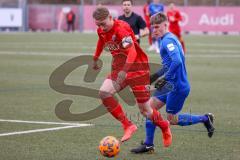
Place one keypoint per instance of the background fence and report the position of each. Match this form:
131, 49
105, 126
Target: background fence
51, 17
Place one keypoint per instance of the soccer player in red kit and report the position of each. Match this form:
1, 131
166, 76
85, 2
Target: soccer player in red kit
174, 17
129, 68
147, 19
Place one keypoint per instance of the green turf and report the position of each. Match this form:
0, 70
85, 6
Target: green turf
27, 61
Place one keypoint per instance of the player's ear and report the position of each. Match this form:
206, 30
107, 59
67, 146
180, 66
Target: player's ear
166, 24
110, 17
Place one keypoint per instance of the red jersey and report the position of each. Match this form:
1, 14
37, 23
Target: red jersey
115, 41
174, 18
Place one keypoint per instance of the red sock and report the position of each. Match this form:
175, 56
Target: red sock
158, 120
116, 110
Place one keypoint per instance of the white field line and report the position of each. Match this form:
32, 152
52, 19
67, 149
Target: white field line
51, 47
41, 53
67, 126
213, 56
43, 122
230, 54
90, 44
213, 51
36, 131
92, 47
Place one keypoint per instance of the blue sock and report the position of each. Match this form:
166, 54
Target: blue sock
150, 130
189, 119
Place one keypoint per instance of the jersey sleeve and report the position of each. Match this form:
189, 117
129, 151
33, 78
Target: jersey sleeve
141, 23
178, 16
127, 44
120, 17
99, 48
172, 50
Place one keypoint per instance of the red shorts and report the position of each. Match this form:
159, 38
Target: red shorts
137, 81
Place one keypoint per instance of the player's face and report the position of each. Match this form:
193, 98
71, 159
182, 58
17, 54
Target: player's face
171, 6
127, 7
159, 29
105, 24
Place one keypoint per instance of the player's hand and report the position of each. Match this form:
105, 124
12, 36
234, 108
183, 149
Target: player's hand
137, 36
160, 83
153, 78
95, 65
121, 77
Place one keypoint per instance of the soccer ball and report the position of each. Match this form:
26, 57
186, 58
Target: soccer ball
109, 146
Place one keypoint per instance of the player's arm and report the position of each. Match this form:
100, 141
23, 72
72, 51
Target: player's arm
127, 45
156, 75
144, 31
178, 16
98, 51
173, 51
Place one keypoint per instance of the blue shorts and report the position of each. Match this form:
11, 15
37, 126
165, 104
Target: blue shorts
174, 100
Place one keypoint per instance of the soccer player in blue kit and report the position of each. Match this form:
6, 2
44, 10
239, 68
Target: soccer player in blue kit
155, 7
173, 72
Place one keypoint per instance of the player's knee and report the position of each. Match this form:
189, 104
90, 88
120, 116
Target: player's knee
104, 94
172, 119
143, 111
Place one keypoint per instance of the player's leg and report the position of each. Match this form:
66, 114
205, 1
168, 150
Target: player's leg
138, 82
154, 44
174, 106
150, 127
178, 34
150, 34
73, 26
148, 144
157, 119
143, 99
107, 90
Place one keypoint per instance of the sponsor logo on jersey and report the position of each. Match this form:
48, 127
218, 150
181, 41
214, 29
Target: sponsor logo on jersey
111, 46
170, 47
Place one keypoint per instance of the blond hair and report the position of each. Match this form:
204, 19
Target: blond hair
158, 18
100, 13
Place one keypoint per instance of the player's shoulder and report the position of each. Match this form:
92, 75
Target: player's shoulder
169, 41
122, 27
138, 16
150, 5
168, 37
121, 17
120, 24
99, 31
135, 14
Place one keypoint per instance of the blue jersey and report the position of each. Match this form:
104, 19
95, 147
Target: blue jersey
173, 62
155, 8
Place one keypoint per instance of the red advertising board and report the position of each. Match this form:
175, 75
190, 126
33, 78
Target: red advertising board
202, 19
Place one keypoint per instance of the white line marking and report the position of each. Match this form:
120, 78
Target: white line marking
50, 47
208, 44
230, 54
213, 56
40, 53
90, 44
37, 130
213, 51
43, 122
